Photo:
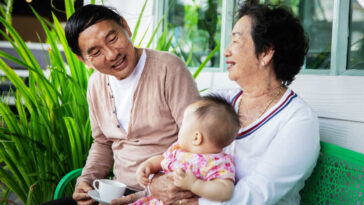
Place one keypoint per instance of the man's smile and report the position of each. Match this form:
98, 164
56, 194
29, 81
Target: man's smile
120, 63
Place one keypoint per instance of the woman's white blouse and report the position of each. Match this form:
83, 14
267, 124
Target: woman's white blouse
274, 155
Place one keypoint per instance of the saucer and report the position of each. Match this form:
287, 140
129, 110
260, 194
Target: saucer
96, 196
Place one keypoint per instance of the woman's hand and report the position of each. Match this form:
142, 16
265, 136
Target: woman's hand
163, 188
128, 199
81, 196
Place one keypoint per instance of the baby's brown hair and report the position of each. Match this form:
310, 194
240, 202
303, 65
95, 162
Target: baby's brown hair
216, 112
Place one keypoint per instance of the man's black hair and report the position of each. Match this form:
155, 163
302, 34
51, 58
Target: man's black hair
85, 17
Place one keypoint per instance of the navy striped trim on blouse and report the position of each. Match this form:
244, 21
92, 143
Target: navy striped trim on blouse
251, 130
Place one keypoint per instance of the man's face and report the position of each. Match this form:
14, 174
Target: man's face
107, 47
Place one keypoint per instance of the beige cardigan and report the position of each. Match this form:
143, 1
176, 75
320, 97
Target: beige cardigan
165, 88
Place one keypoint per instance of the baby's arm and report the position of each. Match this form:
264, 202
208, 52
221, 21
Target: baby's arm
215, 190
150, 166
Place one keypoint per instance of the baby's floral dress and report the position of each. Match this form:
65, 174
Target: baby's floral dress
204, 166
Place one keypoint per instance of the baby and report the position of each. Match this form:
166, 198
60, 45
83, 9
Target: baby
196, 160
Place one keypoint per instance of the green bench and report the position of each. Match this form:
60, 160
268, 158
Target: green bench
338, 178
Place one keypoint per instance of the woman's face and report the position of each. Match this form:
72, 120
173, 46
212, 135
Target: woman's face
240, 53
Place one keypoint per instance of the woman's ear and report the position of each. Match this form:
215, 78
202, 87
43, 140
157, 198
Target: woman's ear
197, 138
266, 56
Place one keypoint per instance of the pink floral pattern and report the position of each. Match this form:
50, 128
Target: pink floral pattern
204, 166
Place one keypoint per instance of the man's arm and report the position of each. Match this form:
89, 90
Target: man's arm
100, 157
99, 161
181, 89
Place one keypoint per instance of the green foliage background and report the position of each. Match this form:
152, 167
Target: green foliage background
49, 132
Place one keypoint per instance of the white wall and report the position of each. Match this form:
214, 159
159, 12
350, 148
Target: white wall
339, 103
130, 10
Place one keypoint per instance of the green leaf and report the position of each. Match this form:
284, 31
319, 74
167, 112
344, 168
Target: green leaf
70, 9
19, 84
203, 64
138, 22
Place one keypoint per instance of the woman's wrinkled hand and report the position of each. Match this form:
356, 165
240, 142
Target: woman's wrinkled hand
163, 188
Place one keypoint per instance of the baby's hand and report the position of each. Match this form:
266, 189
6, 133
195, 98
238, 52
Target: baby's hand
143, 173
183, 179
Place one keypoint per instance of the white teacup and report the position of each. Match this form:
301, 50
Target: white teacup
109, 189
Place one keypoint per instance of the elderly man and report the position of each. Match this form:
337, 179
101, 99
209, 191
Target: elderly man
136, 97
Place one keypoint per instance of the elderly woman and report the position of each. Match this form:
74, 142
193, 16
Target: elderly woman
278, 143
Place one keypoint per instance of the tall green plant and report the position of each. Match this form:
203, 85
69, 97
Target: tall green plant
49, 133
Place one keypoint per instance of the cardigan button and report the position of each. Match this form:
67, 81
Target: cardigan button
118, 126
111, 96
114, 111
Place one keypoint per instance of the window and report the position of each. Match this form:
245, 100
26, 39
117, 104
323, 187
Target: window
316, 17
197, 29
335, 30
356, 45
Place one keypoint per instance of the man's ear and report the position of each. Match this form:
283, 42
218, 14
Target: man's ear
197, 138
81, 59
125, 26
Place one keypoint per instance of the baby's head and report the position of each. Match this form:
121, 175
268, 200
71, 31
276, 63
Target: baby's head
208, 126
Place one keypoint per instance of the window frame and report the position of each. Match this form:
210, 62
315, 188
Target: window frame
340, 37
227, 20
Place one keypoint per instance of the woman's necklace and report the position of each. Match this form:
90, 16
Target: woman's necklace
269, 103
273, 99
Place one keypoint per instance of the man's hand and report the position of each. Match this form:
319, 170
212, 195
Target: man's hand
81, 196
184, 180
143, 172
128, 199
163, 188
